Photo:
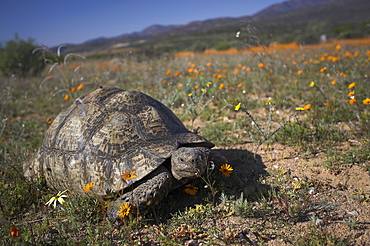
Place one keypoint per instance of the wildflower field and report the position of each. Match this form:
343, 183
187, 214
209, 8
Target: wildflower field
293, 122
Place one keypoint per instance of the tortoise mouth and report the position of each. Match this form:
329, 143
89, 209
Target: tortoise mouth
187, 173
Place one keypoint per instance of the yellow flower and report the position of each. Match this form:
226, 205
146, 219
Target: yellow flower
203, 90
269, 101
128, 175
191, 190
89, 187
237, 107
124, 209
208, 83
226, 170
366, 101
350, 86
312, 84
190, 94
58, 198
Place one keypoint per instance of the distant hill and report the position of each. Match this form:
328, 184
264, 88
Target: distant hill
296, 20
284, 7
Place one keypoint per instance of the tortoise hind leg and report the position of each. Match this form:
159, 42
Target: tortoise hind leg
151, 192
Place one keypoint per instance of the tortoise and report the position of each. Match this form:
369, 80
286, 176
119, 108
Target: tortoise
113, 132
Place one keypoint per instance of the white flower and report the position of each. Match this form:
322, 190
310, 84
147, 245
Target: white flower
58, 198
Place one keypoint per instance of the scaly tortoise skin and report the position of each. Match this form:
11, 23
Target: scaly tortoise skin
111, 131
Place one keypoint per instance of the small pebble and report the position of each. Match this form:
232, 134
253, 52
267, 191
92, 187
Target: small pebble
319, 223
191, 242
312, 191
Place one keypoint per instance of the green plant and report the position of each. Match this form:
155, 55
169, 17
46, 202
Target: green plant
265, 133
20, 57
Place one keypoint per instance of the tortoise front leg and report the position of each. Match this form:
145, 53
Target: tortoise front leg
216, 158
150, 192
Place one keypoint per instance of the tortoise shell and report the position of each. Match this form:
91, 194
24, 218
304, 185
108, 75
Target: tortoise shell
105, 134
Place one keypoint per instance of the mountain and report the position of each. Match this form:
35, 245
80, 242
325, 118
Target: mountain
287, 6
293, 20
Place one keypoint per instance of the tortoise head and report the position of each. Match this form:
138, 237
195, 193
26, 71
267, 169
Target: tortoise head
189, 162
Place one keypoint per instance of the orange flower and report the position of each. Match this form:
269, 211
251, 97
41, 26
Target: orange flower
209, 64
350, 86
323, 69
164, 82
326, 104
80, 87
299, 72
220, 76
66, 97
307, 107
236, 71
191, 190
351, 93
14, 232
128, 175
72, 89
168, 72
221, 86
333, 82
366, 101
89, 187
239, 85
180, 85
261, 65
352, 100
196, 87
49, 121
138, 88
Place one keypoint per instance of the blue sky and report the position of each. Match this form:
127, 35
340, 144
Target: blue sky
55, 22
